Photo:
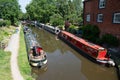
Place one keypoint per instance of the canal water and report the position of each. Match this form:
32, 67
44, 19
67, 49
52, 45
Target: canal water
64, 63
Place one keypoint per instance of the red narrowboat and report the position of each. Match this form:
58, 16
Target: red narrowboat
97, 52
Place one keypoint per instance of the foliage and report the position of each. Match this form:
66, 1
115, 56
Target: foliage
5, 33
110, 40
91, 32
56, 20
42, 10
5, 23
9, 10
72, 29
61, 27
5, 72
16, 23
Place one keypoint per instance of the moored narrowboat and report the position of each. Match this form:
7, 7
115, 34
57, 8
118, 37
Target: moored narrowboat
36, 55
96, 52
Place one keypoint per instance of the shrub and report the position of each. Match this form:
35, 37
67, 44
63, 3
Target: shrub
8, 23
72, 29
16, 23
1, 23
5, 23
110, 40
91, 32
61, 27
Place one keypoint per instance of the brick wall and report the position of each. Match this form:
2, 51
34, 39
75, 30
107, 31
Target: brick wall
107, 26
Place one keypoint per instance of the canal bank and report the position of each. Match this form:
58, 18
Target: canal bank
65, 63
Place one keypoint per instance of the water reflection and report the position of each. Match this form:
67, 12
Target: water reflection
35, 71
49, 41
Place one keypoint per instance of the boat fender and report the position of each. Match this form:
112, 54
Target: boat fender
111, 63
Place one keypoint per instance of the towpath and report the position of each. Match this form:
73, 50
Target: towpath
13, 47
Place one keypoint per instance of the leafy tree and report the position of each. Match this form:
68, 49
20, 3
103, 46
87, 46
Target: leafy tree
71, 9
42, 10
56, 20
9, 10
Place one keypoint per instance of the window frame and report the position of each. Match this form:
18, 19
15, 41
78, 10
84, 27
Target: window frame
116, 22
88, 18
101, 4
98, 17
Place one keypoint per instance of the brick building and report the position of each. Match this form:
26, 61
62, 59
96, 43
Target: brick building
105, 14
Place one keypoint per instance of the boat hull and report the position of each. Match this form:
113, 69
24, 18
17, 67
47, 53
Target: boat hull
38, 63
86, 54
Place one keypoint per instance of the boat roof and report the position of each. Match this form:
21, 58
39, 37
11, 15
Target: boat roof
87, 43
31, 39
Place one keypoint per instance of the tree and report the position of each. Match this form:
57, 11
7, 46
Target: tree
9, 10
56, 20
71, 9
42, 10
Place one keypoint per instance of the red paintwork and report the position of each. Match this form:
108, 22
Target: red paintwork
39, 49
95, 51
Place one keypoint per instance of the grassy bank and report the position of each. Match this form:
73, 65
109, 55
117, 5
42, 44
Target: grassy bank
5, 72
24, 66
5, 33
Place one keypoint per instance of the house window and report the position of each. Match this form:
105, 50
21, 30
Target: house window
101, 4
116, 18
88, 18
100, 18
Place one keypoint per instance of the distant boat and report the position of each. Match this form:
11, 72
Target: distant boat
96, 52
36, 55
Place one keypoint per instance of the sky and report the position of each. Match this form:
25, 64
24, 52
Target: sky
23, 4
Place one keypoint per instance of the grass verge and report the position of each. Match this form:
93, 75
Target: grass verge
24, 66
5, 72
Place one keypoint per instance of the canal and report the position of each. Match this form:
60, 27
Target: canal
64, 63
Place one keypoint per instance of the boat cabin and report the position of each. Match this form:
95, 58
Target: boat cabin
95, 51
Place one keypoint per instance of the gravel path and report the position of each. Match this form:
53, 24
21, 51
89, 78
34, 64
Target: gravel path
13, 47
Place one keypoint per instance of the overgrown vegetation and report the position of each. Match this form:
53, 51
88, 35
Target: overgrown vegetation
4, 23
110, 40
5, 33
5, 72
91, 32
24, 66
72, 29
